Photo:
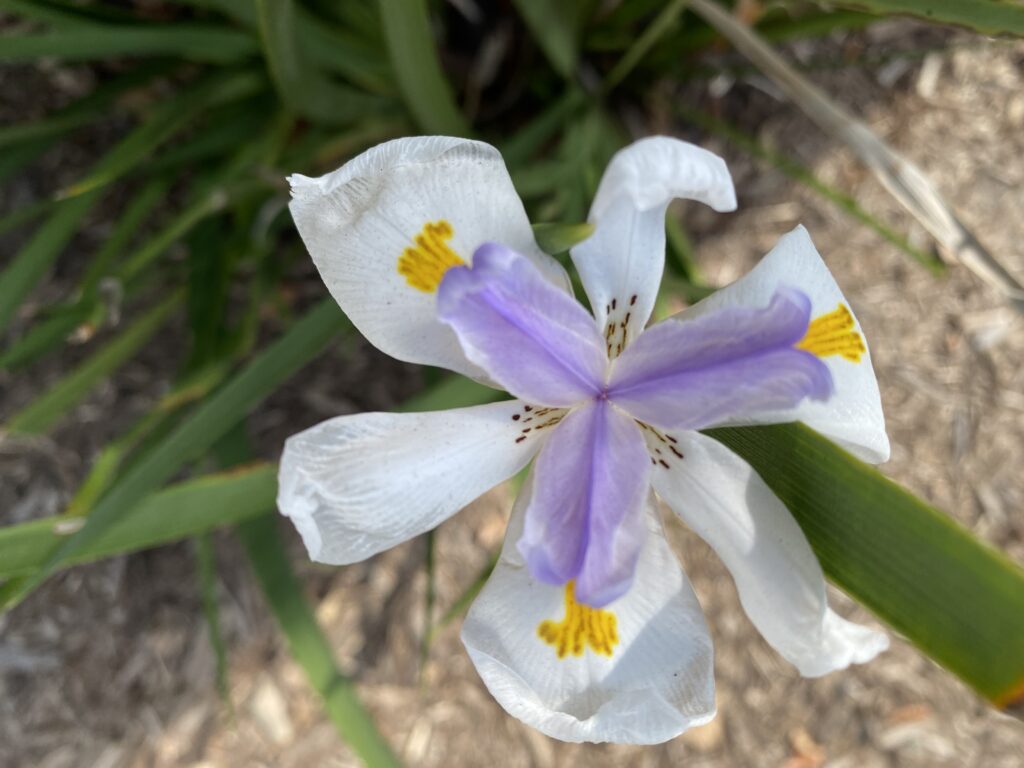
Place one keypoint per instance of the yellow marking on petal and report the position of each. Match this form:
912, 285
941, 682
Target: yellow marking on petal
582, 627
424, 264
834, 334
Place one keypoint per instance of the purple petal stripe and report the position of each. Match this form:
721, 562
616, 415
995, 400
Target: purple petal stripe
530, 337
723, 366
585, 520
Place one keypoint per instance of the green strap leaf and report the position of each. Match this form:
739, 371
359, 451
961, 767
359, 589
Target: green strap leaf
32, 262
55, 17
44, 336
991, 17
360, 59
414, 57
197, 433
128, 223
166, 120
46, 410
302, 87
661, 26
308, 645
530, 138
172, 514
554, 26
220, 45
957, 599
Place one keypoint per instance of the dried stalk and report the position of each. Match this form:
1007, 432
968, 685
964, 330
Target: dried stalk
899, 176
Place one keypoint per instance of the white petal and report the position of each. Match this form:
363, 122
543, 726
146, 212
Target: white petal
358, 221
853, 416
657, 683
357, 485
621, 263
780, 583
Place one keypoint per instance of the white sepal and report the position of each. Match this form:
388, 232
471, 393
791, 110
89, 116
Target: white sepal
357, 485
778, 578
852, 417
658, 681
358, 221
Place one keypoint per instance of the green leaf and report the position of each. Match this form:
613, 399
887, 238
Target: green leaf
681, 251
44, 128
128, 223
44, 336
225, 131
421, 81
662, 25
451, 392
559, 238
54, 17
43, 412
519, 147
166, 119
67, 14
958, 600
219, 45
990, 17
50, 332
175, 513
241, 11
120, 453
541, 178
301, 86
359, 59
198, 432
19, 217
36, 257
13, 159
23, 142
553, 25
208, 201
308, 645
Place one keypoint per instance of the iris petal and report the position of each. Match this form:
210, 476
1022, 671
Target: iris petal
357, 485
585, 521
533, 339
620, 265
853, 415
722, 366
360, 221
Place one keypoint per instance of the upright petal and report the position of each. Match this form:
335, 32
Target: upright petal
853, 416
585, 519
530, 337
779, 580
621, 263
384, 227
357, 485
639, 671
722, 366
